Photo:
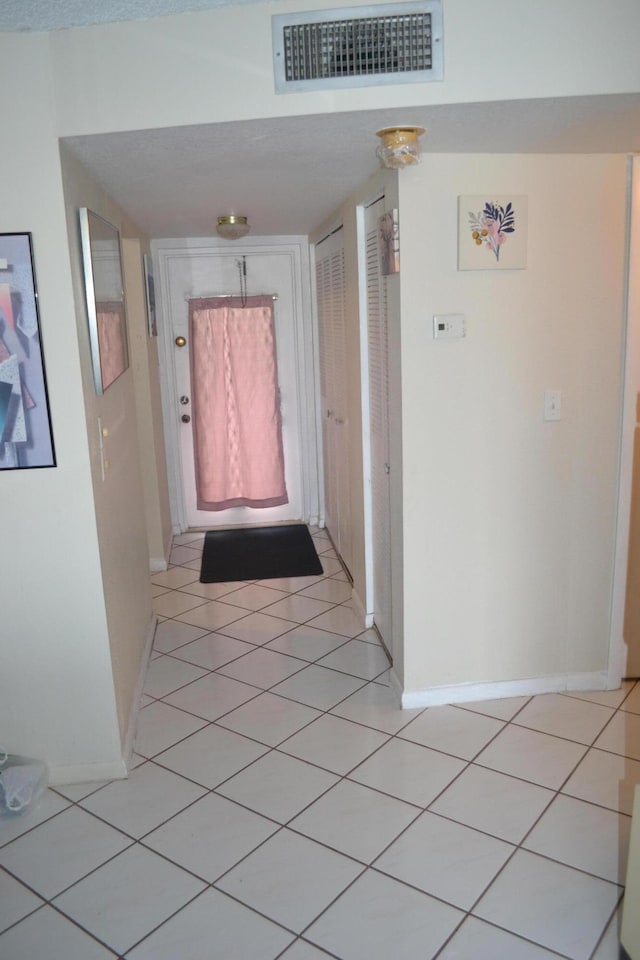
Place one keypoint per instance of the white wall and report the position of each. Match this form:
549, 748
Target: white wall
510, 521
170, 71
56, 688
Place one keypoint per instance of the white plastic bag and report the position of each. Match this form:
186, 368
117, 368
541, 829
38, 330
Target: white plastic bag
22, 783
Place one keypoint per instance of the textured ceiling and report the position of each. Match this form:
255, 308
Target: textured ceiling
62, 14
289, 174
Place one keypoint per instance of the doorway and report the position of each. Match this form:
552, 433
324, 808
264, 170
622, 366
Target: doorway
192, 269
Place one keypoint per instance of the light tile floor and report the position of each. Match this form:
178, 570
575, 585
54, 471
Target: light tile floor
280, 805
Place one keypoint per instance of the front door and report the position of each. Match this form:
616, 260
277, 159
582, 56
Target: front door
196, 276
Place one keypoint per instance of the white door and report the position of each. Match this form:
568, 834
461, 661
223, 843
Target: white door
205, 275
333, 390
378, 363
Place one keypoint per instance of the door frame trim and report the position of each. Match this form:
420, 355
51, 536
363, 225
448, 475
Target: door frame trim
297, 248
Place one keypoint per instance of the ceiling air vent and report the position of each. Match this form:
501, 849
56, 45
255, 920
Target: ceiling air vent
358, 46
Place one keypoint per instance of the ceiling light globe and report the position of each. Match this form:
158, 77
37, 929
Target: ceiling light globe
231, 227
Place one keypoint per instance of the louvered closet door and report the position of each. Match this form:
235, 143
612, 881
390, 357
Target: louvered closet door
332, 344
379, 426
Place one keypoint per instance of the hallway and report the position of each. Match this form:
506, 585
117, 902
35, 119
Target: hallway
282, 806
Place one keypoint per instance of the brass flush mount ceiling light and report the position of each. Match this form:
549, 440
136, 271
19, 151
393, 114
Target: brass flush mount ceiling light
232, 228
399, 146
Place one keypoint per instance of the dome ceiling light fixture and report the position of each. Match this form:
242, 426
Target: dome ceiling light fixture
231, 227
399, 146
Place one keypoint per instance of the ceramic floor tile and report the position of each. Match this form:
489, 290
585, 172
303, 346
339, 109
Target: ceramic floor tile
127, 898
212, 591
334, 744
307, 642
330, 566
254, 597
149, 797
194, 538
210, 836
503, 709
298, 608
171, 634
269, 719
358, 659
333, 591
609, 946
160, 726
158, 591
212, 614
47, 806
486, 800
532, 756
370, 636
583, 836
551, 904
278, 786
290, 879
183, 555
378, 918
229, 930
78, 791
445, 859
377, 707
318, 687
632, 701
408, 771
47, 934
173, 603
354, 820
606, 779
258, 628
566, 717
16, 902
622, 735
340, 620
477, 940
174, 578
167, 674
608, 698
451, 730
263, 668
212, 696
304, 951
213, 650
57, 853
290, 584
211, 756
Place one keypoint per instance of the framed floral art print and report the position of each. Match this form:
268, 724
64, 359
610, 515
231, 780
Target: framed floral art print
492, 232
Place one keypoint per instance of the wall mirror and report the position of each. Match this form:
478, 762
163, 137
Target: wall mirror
105, 298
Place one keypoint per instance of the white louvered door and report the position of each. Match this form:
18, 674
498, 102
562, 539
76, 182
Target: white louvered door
379, 427
335, 426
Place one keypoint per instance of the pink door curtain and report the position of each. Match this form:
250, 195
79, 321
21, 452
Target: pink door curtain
237, 430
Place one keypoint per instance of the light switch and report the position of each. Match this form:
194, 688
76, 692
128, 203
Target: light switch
449, 326
553, 404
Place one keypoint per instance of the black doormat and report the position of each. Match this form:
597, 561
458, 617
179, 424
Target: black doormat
258, 553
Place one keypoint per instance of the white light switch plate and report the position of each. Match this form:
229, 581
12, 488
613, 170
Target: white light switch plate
553, 405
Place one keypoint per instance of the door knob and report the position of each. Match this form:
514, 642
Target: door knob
180, 342
184, 400
185, 418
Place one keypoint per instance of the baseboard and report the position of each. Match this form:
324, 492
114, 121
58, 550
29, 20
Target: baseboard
396, 686
127, 746
359, 610
157, 564
468, 692
87, 772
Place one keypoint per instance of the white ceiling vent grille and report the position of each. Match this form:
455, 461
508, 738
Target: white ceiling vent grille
358, 46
